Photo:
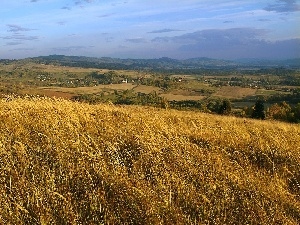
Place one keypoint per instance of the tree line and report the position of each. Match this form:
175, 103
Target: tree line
277, 111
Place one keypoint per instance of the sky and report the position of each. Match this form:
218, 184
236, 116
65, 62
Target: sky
179, 29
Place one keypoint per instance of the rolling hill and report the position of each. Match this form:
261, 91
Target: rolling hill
163, 63
64, 162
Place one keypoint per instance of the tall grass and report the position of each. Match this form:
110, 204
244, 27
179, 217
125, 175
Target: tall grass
63, 162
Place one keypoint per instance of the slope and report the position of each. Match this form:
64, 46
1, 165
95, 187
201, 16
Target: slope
63, 162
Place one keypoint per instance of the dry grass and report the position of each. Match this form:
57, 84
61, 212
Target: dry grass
234, 92
72, 163
27, 90
178, 97
48, 68
101, 87
147, 89
90, 90
56, 94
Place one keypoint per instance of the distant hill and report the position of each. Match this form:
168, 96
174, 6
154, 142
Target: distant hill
163, 63
294, 63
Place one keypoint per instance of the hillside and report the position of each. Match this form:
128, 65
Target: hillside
64, 162
163, 63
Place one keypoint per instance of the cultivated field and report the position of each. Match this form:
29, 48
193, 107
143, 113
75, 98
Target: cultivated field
146, 89
47, 68
234, 92
63, 162
27, 77
179, 97
90, 90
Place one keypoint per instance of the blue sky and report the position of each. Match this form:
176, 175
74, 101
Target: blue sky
151, 28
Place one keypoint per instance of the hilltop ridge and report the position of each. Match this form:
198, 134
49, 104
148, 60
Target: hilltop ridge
163, 63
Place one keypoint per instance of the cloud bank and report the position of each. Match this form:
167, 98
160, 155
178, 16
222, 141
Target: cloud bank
144, 29
284, 6
232, 43
162, 31
16, 28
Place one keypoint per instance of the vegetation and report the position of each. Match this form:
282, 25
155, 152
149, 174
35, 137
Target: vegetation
225, 108
206, 85
259, 110
66, 162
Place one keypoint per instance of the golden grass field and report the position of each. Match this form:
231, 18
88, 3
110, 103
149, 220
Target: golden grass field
235, 92
64, 162
67, 93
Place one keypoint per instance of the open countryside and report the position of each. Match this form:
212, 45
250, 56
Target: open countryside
161, 112
112, 164
200, 88
96, 145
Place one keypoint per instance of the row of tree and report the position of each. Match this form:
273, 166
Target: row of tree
277, 111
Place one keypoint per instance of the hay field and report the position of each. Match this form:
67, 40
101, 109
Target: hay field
234, 92
178, 97
101, 87
63, 162
90, 90
48, 68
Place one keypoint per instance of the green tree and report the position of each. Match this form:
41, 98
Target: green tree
127, 97
225, 108
214, 105
259, 110
296, 113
